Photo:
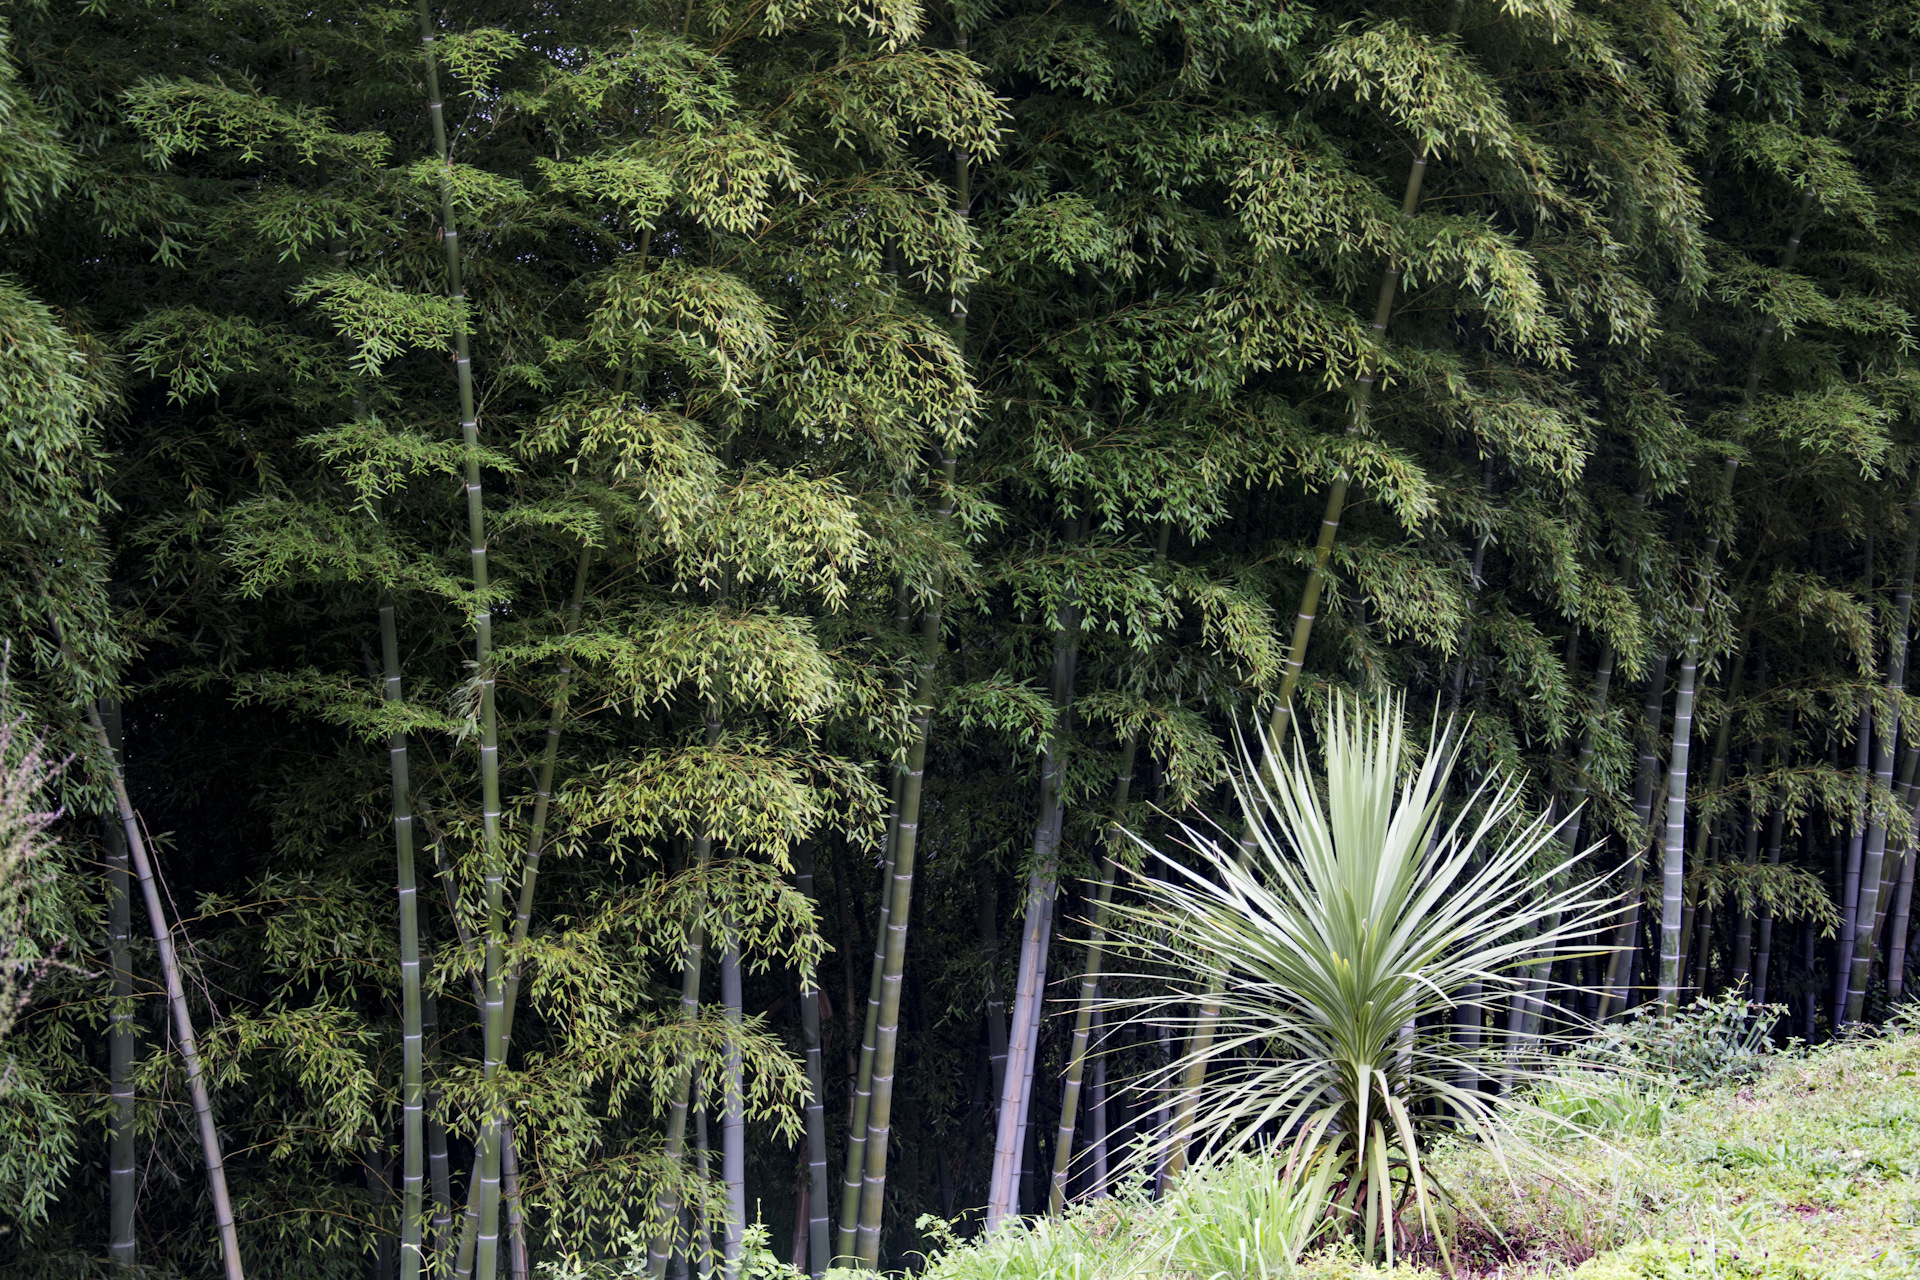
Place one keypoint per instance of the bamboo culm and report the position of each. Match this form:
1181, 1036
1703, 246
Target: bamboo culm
1871, 904
996, 1005
1016, 1094
667, 1208
1703, 828
906, 835
899, 914
1089, 988
854, 1176
1359, 403
176, 1002
413, 1136
1626, 938
439, 1167
1763, 926
733, 1120
122, 1175
1673, 845
1850, 873
493, 1049
819, 1257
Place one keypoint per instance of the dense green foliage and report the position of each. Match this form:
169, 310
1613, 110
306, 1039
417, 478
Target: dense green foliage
736, 508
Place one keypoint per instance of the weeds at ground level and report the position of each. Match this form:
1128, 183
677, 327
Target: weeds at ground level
1806, 1169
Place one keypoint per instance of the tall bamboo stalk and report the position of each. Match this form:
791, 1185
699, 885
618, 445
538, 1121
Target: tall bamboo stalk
176, 1001
517, 1264
1089, 987
854, 1176
899, 914
733, 1120
413, 1136
1743, 920
123, 1185
1016, 1095
439, 1167
1626, 938
493, 1021
1703, 827
1860, 963
1673, 862
1359, 403
667, 1207
1897, 928
996, 1003
1763, 930
878, 1129
1856, 846
1097, 1110
818, 1226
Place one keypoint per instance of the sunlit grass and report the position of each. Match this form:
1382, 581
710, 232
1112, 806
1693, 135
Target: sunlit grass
1810, 1170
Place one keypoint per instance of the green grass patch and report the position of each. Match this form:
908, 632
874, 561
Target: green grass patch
1808, 1168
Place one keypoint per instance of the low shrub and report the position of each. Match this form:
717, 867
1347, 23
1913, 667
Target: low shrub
1714, 1040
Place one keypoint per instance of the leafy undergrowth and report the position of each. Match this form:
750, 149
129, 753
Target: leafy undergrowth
1809, 1169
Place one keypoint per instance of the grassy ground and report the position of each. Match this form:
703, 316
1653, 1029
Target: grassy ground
1809, 1171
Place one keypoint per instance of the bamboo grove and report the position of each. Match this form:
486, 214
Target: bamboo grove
613, 578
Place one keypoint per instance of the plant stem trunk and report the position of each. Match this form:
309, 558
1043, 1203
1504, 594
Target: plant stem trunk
1873, 902
1626, 938
413, 1136
176, 1001
486, 1257
1673, 868
1897, 930
1359, 402
907, 835
1763, 945
667, 1209
516, 1219
996, 1004
1097, 1111
733, 1120
1850, 876
818, 1227
854, 1177
1016, 1094
1743, 915
123, 1186
702, 1239
1089, 985
1673, 863
439, 1168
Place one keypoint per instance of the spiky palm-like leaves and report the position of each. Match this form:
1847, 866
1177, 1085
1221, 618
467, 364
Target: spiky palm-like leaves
1357, 916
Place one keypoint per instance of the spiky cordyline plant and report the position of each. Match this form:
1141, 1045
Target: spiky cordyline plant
1357, 918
